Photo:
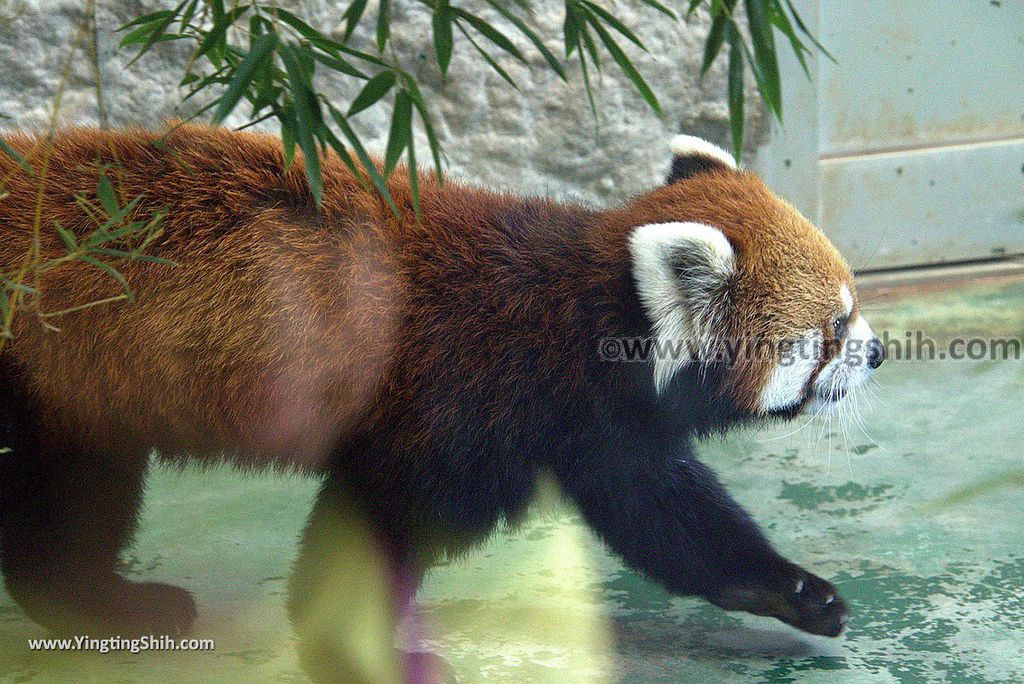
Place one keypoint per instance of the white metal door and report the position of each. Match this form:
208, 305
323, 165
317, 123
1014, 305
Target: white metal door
909, 149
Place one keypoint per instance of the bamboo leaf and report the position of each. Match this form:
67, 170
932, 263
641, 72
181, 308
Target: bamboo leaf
222, 75
105, 192
442, 25
383, 24
548, 56
339, 148
376, 88
66, 235
781, 21
570, 30
661, 8
588, 88
302, 28
714, 42
364, 159
112, 272
627, 66
308, 117
414, 178
428, 127
13, 154
487, 58
158, 29
150, 259
151, 18
364, 56
332, 49
735, 88
590, 46
256, 57
400, 135
351, 17
613, 21
810, 36
490, 33
20, 287
217, 34
338, 64
138, 36
287, 120
767, 72
187, 13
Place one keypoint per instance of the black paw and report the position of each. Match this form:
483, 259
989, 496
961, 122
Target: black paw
794, 596
155, 608
815, 606
132, 609
108, 605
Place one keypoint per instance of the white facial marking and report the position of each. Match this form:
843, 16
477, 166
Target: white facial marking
847, 299
690, 145
680, 305
789, 378
848, 370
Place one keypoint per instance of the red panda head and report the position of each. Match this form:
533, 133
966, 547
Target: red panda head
742, 279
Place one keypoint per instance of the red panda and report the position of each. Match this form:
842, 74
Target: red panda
428, 366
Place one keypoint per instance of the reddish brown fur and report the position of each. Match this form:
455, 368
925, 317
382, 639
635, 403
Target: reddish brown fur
272, 332
306, 318
789, 274
429, 366
267, 336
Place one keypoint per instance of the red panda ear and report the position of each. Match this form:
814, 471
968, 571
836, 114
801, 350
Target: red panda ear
682, 273
692, 155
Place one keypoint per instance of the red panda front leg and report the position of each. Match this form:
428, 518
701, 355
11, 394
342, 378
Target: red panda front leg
673, 520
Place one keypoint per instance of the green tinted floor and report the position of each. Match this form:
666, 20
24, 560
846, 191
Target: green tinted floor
909, 513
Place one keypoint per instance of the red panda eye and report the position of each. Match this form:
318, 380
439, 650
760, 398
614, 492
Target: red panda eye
839, 327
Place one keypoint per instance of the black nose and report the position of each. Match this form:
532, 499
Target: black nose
876, 353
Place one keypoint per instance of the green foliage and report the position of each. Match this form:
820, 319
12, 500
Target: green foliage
115, 236
764, 17
117, 233
268, 56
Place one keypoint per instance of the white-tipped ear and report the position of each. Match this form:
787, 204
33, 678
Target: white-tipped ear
692, 155
682, 273
692, 146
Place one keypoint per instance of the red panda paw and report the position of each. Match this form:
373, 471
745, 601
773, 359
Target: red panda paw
144, 608
795, 597
816, 607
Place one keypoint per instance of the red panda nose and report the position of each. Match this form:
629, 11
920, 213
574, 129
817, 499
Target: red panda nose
876, 353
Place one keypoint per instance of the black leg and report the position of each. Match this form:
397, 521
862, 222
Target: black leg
340, 596
352, 586
66, 512
673, 520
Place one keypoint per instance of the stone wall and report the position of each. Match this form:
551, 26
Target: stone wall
540, 140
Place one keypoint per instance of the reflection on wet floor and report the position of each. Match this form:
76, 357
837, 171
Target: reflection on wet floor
934, 577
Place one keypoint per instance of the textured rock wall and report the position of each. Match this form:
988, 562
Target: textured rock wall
540, 140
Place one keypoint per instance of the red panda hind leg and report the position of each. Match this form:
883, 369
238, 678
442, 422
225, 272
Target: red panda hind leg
356, 573
66, 512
